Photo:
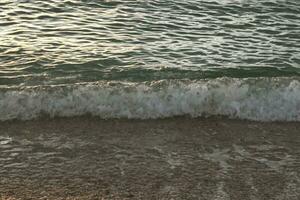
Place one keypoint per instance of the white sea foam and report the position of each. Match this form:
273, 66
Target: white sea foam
262, 99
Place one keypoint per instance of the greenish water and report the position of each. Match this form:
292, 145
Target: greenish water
55, 42
149, 59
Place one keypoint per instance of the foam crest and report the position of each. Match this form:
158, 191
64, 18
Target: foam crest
262, 99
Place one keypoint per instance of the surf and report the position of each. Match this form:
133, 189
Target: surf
258, 99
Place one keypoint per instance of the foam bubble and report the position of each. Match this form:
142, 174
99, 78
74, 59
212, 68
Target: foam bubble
262, 99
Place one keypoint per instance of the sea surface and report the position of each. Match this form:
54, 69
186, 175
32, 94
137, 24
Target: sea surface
150, 58
199, 78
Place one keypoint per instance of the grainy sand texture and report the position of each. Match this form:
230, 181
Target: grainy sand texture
176, 158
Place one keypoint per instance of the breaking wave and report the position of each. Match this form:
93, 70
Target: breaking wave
260, 99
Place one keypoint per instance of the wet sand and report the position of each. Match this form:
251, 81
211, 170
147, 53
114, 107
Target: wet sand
176, 158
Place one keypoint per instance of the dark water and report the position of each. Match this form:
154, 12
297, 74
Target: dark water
53, 42
140, 46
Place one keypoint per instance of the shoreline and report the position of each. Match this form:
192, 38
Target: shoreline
173, 158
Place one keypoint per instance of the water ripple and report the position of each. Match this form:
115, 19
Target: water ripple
71, 41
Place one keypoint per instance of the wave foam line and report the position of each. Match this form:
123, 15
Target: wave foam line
260, 99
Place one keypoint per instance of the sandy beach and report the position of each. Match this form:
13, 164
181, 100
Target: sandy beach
175, 158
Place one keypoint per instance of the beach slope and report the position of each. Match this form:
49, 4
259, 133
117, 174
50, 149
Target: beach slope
174, 158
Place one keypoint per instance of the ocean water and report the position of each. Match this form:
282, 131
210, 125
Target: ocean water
150, 58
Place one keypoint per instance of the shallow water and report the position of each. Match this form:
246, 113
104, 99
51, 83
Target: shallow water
175, 158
